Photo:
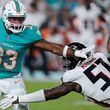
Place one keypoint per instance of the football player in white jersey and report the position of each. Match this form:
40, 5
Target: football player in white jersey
89, 77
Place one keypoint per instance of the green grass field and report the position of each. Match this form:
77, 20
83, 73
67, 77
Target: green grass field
71, 101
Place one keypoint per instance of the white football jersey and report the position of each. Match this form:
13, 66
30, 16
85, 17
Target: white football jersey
94, 78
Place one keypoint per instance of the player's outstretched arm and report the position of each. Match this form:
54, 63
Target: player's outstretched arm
62, 50
41, 95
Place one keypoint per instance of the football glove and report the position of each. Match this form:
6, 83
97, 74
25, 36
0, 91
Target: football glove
8, 101
83, 53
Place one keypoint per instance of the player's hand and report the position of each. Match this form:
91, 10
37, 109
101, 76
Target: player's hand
8, 101
82, 53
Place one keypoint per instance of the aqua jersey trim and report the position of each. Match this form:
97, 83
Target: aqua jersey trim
4, 74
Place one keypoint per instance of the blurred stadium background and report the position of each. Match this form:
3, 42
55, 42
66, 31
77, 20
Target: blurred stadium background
63, 21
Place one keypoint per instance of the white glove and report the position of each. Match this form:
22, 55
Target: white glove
82, 53
7, 101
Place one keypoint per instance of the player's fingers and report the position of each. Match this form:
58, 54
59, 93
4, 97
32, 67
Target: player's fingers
4, 101
8, 96
88, 49
5, 106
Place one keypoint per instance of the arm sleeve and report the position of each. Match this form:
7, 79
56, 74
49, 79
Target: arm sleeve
37, 96
37, 36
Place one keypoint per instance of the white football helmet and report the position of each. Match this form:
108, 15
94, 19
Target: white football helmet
14, 9
71, 63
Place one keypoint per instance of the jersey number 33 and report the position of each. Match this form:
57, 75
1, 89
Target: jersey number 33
12, 55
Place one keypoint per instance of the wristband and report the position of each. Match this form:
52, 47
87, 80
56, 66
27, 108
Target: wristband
65, 50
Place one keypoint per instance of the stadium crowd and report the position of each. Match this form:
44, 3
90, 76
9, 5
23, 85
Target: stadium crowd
65, 21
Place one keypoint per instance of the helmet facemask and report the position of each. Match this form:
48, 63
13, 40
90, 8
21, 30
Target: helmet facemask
13, 19
16, 27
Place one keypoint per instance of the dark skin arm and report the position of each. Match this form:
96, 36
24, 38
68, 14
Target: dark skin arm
66, 88
54, 48
59, 91
62, 90
108, 45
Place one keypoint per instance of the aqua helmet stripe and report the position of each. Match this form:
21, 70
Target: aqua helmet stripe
17, 5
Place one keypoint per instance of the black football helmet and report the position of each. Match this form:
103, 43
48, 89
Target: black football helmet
71, 63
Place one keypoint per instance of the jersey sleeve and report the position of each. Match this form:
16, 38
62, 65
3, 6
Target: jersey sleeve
102, 56
31, 35
72, 75
36, 35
